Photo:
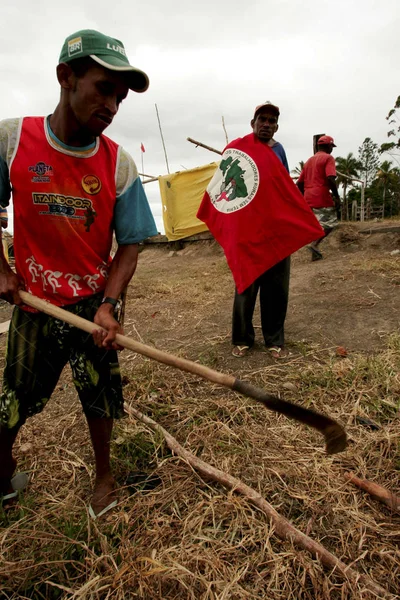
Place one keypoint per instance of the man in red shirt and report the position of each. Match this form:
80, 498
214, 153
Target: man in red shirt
72, 188
317, 182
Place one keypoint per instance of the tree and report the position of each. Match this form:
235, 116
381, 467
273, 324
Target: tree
388, 180
347, 168
369, 160
394, 131
384, 175
297, 170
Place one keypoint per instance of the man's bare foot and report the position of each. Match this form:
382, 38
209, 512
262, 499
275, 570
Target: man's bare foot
103, 494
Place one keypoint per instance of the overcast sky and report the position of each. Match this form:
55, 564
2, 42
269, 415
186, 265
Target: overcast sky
332, 67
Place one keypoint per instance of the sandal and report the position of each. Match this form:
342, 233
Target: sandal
278, 352
105, 510
240, 351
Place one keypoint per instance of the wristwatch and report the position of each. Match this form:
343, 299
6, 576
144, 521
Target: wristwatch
113, 301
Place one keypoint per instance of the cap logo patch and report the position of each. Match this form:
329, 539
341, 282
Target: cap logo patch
75, 46
91, 184
116, 48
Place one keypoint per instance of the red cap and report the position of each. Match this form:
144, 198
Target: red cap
272, 107
326, 139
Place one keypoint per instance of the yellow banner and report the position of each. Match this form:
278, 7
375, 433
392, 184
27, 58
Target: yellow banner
181, 194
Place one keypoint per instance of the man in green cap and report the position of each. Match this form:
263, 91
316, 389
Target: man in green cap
73, 188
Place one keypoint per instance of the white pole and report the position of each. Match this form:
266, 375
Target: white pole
362, 210
162, 138
362, 201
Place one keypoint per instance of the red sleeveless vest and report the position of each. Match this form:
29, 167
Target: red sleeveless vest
63, 215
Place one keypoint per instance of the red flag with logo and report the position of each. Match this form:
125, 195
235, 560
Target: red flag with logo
255, 211
142, 148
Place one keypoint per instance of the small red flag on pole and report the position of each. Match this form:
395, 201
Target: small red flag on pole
142, 148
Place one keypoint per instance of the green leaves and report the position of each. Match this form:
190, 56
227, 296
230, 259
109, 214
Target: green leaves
392, 118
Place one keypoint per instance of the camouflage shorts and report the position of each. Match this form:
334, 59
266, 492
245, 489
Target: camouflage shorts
327, 217
39, 346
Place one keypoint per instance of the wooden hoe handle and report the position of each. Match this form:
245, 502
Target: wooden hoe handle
335, 435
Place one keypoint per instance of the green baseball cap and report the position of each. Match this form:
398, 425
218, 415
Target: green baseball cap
107, 52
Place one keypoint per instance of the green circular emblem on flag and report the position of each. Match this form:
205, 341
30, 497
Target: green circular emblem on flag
235, 182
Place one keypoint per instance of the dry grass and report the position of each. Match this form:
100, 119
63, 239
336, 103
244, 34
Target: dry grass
190, 539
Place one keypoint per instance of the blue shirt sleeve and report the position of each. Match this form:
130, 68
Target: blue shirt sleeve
133, 219
281, 154
5, 187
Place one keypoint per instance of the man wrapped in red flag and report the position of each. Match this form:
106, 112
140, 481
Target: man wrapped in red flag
254, 210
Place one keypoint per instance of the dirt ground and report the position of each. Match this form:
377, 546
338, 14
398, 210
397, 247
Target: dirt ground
350, 299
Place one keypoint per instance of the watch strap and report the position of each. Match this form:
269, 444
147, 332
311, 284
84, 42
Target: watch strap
108, 300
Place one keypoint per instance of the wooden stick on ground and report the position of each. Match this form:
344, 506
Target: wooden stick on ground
283, 528
335, 435
377, 491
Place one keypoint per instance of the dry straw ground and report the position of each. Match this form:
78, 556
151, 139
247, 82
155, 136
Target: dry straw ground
190, 538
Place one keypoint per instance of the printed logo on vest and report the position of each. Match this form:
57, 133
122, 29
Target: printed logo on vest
91, 184
66, 206
42, 172
75, 46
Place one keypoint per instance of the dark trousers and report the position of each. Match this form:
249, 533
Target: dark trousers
274, 295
